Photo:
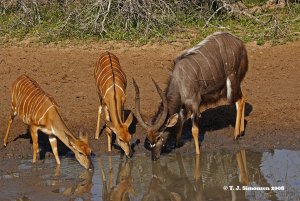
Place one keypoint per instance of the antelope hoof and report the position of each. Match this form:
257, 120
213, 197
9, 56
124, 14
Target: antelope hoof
129, 155
235, 140
242, 133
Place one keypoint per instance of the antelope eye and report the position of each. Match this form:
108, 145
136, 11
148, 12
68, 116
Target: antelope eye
158, 138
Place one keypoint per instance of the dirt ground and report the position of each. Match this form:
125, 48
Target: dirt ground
271, 85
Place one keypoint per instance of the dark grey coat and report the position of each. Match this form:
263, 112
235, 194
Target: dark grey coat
208, 74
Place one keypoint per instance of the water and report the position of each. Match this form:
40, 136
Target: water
267, 176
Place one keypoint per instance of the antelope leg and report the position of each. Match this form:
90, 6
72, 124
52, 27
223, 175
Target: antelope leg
242, 126
34, 136
238, 118
98, 122
10, 120
182, 118
197, 172
108, 131
53, 143
195, 131
241, 160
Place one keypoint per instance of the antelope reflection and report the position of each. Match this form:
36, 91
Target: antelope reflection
84, 186
166, 185
124, 183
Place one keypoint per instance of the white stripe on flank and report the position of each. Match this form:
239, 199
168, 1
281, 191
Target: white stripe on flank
109, 88
120, 71
120, 88
182, 68
221, 55
42, 103
15, 88
22, 96
103, 77
208, 66
193, 66
121, 82
235, 43
104, 57
21, 89
233, 58
105, 81
98, 65
45, 114
196, 48
33, 104
36, 104
228, 85
102, 70
28, 97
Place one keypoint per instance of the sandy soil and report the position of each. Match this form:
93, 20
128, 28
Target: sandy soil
272, 88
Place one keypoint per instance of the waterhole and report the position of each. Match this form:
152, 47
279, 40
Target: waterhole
244, 175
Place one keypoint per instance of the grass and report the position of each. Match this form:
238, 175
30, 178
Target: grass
55, 24
251, 3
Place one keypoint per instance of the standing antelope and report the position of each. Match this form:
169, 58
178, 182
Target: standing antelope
39, 110
111, 83
205, 76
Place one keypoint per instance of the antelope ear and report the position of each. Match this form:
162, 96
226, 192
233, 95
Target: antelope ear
129, 119
83, 135
110, 126
172, 120
71, 142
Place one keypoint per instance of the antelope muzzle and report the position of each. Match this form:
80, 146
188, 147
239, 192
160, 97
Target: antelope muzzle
156, 150
126, 147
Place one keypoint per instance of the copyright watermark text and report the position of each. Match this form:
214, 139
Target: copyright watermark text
253, 188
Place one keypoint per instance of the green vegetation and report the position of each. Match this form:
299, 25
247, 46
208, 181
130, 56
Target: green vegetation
251, 3
143, 22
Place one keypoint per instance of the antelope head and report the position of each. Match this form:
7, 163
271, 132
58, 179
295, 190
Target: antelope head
81, 149
157, 133
123, 135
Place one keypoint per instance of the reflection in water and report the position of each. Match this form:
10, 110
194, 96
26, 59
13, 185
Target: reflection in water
84, 186
167, 185
124, 182
175, 177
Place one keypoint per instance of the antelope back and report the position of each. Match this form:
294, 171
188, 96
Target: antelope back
109, 75
111, 82
29, 101
203, 71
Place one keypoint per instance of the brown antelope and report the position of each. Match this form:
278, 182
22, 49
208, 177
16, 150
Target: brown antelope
205, 76
39, 110
111, 83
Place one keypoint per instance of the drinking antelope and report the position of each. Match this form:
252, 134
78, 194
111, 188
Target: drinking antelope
39, 110
205, 76
111, 84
